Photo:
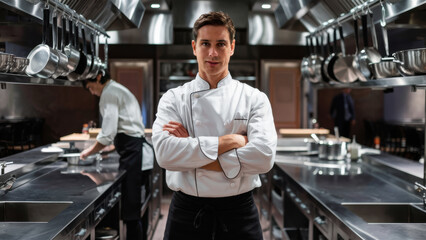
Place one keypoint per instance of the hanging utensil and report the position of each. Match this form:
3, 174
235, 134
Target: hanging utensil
42, 59
368, 54
324, 75
342, 69
62, 68
355, 63
331, 60
315, 62
72, 53
387, 66
86, 71
305, 61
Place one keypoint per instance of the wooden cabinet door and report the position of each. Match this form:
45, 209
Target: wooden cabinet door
284, 94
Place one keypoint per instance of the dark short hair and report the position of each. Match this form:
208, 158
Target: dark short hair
105, 76
215, 19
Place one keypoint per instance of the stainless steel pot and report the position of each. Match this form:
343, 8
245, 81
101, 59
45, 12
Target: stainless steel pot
43, 60
315, 64
19, 64
6, 61
86, 71
72, 53
72, 158
387, 66
81, 66
305, 62
96, 62
411, 62
368, 54
62, 69
332, 150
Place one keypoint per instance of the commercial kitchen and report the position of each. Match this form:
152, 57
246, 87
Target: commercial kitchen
368, 184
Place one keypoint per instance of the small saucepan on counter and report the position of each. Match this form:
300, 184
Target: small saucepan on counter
332, 150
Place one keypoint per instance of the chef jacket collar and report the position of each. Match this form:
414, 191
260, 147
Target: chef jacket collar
204, 85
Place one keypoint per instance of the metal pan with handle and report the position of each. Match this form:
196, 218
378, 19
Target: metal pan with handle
42, 59
62, 68
315, 64
356, 61
368, 54
387, 66
305, 61
72, 53
324, 76
331, 59
86, 71
81, 66
342, 67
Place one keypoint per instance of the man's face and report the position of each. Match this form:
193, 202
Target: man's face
95, 88
213, 50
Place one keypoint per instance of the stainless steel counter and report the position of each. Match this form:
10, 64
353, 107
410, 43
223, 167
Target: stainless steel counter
77, 189
331, 185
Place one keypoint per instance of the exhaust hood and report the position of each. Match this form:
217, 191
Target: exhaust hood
309, 15
109, 14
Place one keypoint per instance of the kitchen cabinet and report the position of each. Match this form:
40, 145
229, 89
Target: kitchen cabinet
174, 73
151, 200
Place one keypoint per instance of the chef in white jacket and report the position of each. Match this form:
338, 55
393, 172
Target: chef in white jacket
214, 136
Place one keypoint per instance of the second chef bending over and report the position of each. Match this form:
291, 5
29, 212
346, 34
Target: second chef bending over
214, 136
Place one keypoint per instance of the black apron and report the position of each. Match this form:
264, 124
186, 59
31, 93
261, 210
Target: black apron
223, 218
130, 151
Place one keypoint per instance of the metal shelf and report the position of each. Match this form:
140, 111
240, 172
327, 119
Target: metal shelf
24, 79
378, 83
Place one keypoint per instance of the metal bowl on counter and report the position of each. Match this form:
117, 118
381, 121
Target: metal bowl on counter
72, 158
411, 62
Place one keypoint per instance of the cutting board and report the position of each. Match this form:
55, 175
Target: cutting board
302, 132
76, 137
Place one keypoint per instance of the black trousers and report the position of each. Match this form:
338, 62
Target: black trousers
227, 218
130, 151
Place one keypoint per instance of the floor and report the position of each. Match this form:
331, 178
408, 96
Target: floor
161, 226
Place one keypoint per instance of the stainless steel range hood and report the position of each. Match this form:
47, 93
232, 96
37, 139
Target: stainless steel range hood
109, 14
308, 15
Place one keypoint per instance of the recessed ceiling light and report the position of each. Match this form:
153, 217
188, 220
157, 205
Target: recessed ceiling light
266, 6
155, 5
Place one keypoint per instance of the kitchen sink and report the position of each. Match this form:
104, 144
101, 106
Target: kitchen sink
34, 211
388, 212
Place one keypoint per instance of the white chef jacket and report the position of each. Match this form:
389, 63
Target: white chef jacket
232, 107
120, 113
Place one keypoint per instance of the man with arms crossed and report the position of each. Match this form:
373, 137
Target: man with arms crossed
214, 136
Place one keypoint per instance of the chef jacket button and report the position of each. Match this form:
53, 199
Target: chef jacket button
198, 123
196, 95
232, 184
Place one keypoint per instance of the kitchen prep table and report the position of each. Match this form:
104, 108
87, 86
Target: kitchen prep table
368, 199
51, 200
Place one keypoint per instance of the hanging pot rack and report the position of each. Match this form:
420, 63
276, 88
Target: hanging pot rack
365, 7
71, 14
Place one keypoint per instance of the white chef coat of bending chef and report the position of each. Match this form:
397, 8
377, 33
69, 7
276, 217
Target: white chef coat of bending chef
232, 107
120, 113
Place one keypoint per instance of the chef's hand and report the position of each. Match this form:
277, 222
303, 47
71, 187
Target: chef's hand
85, 153
226, 143
176, 129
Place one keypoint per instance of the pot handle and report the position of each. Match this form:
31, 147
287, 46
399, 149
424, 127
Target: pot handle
64, 36
46, 18
342, 41
356, 35
364, 30
384, 30
84, 40
373, 31
55, 30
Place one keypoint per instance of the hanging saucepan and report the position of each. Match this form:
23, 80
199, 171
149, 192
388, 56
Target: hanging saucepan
324, 54
368, 54
305, 61
42, 59
69, 50
387, 66
331, 59
86, 71
81, 66
315, 63
62, 68
95, 65
355, 64
411, 62
342, 67
98, 59
105, 64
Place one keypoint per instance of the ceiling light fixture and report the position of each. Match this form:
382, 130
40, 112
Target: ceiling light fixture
155, 5
266, 6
